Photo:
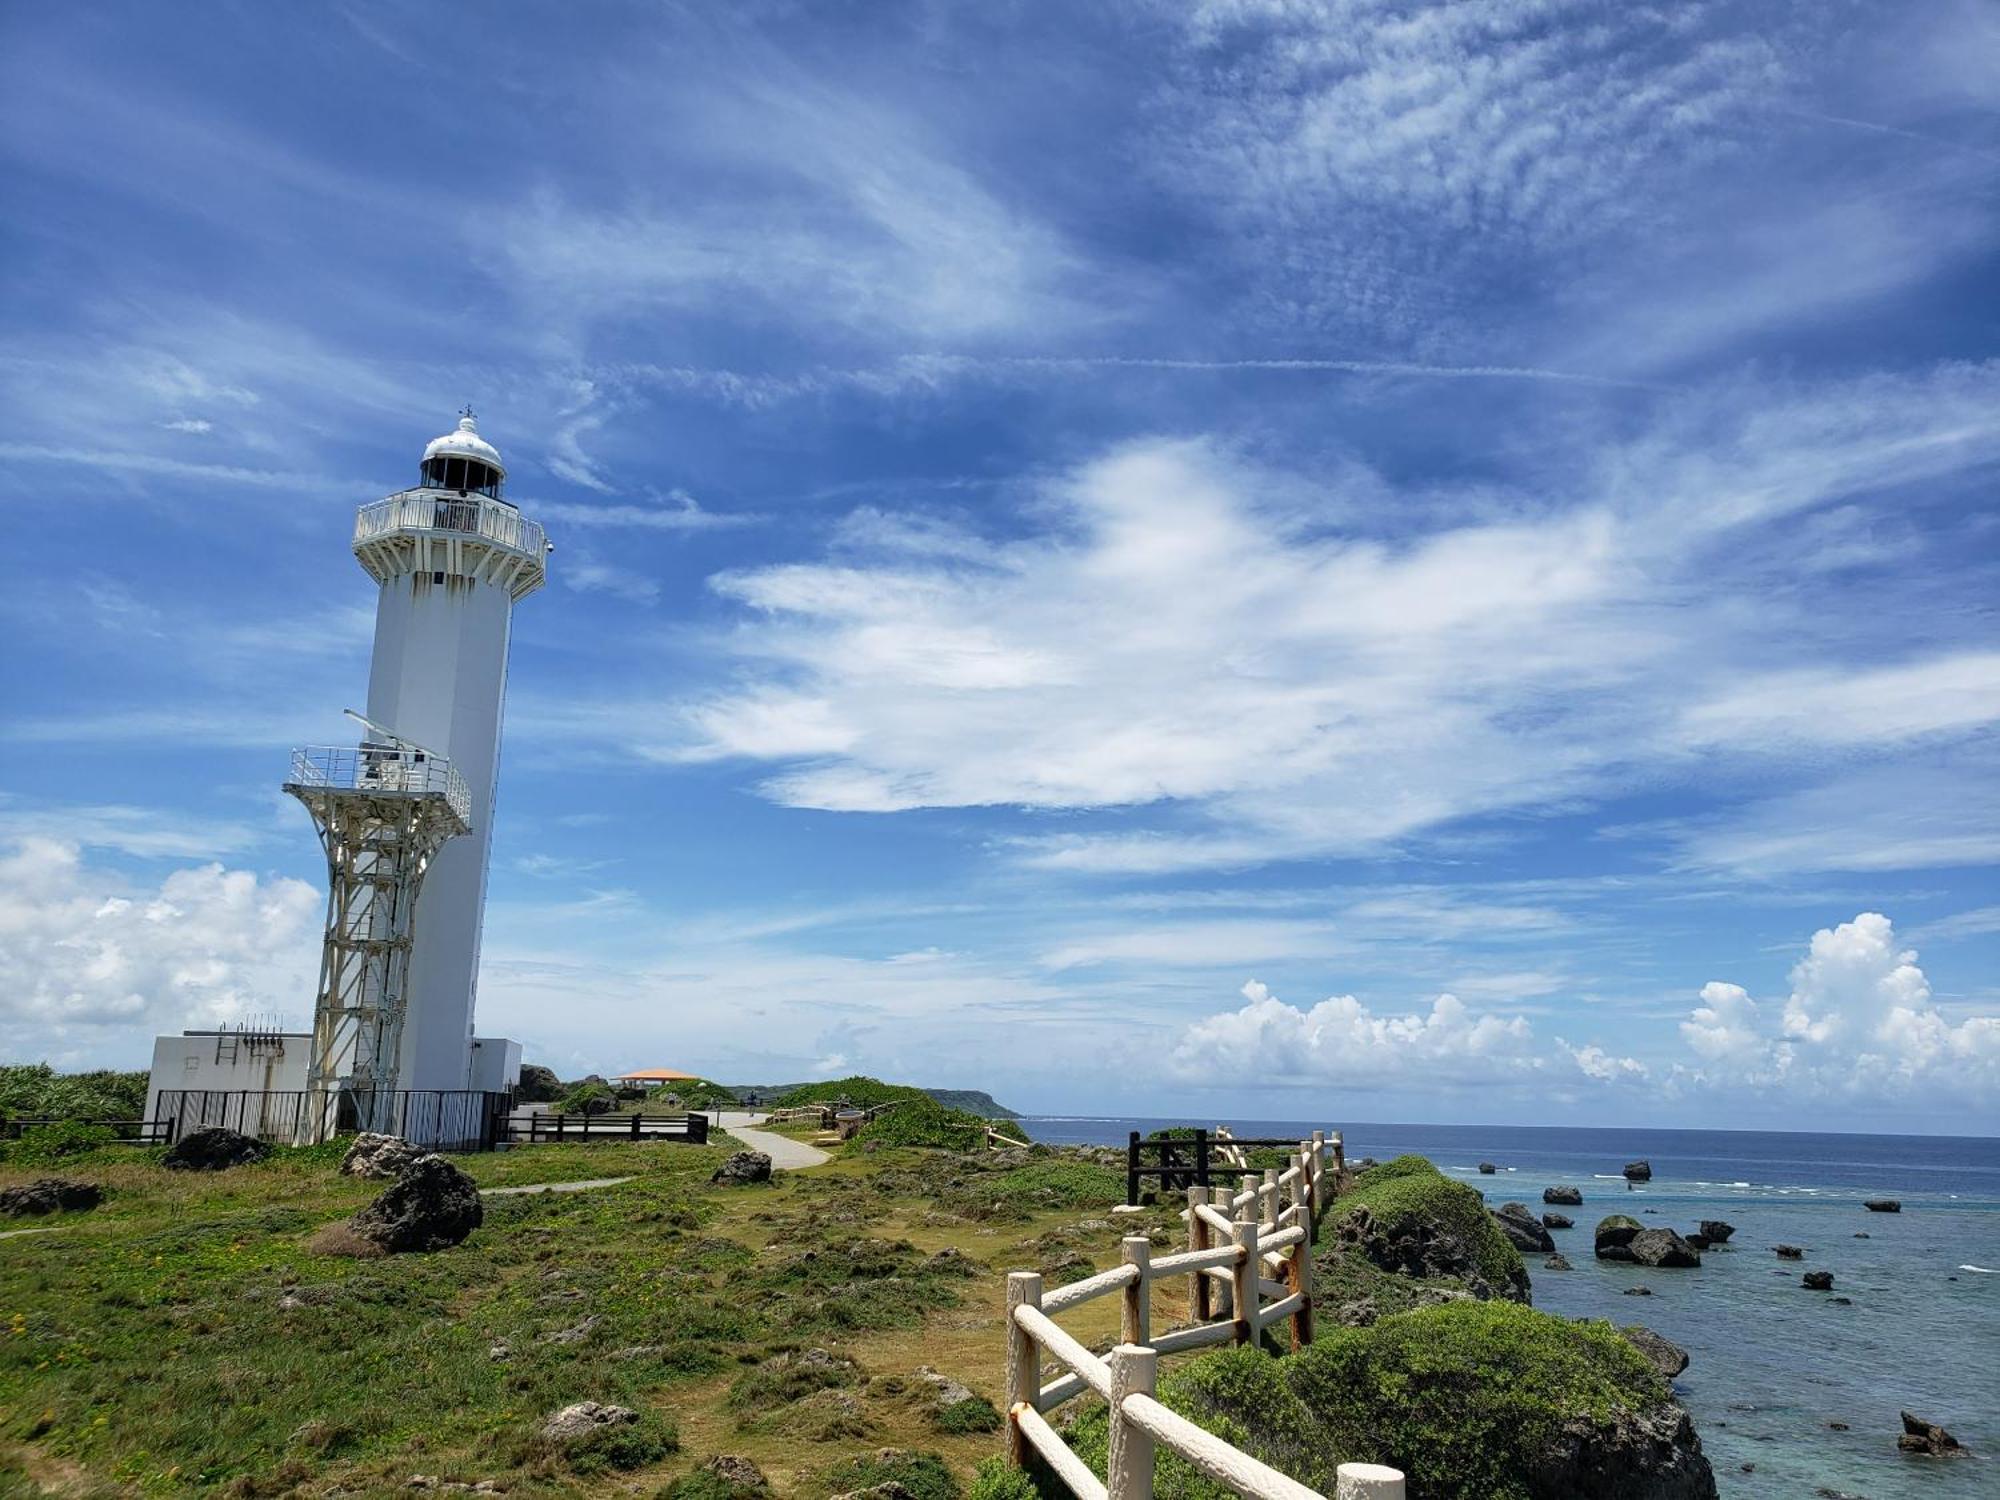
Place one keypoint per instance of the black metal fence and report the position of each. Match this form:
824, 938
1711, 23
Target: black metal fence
1179, 1163
443, 1119
540, 1129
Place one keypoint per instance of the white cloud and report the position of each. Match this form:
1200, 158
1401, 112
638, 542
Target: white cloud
1859, 1021
1594, 1062
1851, 706
92, 965
1341, 1041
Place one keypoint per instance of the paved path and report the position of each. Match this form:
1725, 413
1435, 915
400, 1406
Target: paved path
555, 1187
787, 1155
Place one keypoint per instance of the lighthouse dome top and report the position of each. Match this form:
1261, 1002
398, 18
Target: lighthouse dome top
463, 460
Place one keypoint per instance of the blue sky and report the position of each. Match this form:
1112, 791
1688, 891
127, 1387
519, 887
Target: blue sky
1453, 545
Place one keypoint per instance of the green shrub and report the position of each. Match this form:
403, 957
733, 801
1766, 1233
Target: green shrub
973, 1414
45, 1145
1408, 1192
996, 1479
37, 1091
627, 1445
859, 1091
790, 1377
706, 1484
587, 1098
922, 1121
924, 1475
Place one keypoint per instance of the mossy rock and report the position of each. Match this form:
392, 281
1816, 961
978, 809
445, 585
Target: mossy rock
1614, 1235
1471, 1400
1405, 1216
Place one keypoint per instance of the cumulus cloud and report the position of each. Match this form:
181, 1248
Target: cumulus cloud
1860, 1020
93, 965
1340, 1040
1594, 1062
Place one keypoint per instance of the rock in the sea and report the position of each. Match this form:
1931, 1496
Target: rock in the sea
1789, 1252
1668, 1357
1558, 1221
1568, 1196
1818, 1281
1638, 1171
49, 1195
1557, 1262
1634, 1455
1487, 1169
1698, 1241
1717, 1232
213, 1150
1638, 1291
1614, 1236
1920, 1436
1662, 1247
584, 1418
1522, 1228
1884, 1205
377, 1156
743, 1168
432, 1206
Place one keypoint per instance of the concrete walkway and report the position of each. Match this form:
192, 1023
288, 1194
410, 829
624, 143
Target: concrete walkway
787, 1155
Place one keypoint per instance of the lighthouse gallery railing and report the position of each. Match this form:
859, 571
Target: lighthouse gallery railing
442, 510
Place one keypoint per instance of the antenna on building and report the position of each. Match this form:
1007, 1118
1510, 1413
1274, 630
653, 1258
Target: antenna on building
387, 734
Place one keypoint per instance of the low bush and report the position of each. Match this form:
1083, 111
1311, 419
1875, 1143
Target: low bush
923, 1475
45, 1145
973, 1414
587, 1098
996, 1479
38, 1091
625, 1445
1408, 1195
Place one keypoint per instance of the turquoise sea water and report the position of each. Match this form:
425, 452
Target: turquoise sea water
1772, 1365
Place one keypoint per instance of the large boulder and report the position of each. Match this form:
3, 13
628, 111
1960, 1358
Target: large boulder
538, 1085
1487, 1169
378, 1156
1717, 1231
1523, 1230
1920, 1436
743, 1168
49, 1195
1884, 1205
1818, 1281
1653, 1454
1638, 1171
1790, 1252
1557, 1221
1662, 1247
1614, 1236
1668, 1357
215, 1149
432, 1206
1569, 1197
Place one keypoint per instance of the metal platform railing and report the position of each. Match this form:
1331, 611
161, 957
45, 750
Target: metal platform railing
431, 510
382, 769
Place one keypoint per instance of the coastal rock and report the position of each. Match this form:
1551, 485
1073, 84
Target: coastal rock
49, 1195
1569, 1197
1920, 1436
1425, 1248
1557, 1262
1638, 1171
1634, 1455
1662, 1247
584, 1418
1717, 1232
1638, 1291
1522, 1228
949, 1392
1698, 1241
1884, 1205
215, 1149
432, 1206
1789, 1252
1558, 1221
743, 1168
1487, 1169
1818, 1281
1614, 1236
379, 1156
1668, 1357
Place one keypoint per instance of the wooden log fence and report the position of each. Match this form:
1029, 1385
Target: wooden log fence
1236, 1235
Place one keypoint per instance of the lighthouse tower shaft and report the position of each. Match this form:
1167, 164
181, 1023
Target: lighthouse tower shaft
451, 557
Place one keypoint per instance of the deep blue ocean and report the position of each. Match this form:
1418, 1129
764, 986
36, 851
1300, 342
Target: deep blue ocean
1772, 1365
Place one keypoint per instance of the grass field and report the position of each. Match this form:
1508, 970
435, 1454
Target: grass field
186, 1337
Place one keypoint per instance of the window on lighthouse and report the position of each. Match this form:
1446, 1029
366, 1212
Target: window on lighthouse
465, 475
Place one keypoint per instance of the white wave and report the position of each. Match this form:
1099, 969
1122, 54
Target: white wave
1982, 1270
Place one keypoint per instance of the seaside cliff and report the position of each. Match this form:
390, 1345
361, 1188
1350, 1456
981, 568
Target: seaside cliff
1442, 1369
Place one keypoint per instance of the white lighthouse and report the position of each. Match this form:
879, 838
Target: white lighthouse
406, 819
